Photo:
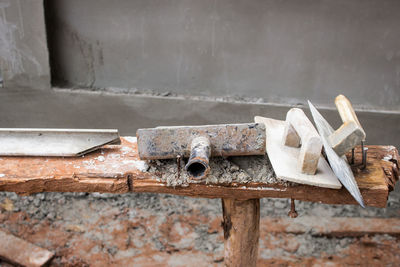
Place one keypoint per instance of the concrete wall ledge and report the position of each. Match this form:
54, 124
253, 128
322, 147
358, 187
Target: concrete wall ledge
71, 108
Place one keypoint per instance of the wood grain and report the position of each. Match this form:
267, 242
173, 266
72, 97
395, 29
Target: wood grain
331, 226
117, 169
241, 231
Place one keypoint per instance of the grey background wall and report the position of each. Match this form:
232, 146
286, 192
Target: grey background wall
24, 59
280, 51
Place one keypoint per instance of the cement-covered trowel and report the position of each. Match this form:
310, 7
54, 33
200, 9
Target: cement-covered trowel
337, 143
294, 150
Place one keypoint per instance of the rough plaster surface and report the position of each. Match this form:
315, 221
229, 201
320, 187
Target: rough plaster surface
280, 51
24, 57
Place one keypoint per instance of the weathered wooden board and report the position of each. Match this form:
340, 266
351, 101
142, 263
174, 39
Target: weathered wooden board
118, 169
284, 159
332, 226
21, 252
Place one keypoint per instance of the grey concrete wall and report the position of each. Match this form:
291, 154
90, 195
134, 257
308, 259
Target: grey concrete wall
24, 59
281, 51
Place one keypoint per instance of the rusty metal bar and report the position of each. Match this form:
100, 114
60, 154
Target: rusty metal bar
225, 140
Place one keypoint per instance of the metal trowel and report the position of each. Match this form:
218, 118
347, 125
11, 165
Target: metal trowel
337, 143
54, 142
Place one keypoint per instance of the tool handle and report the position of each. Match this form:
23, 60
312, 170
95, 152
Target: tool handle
311, 144
346, 111
303, 126
350, 133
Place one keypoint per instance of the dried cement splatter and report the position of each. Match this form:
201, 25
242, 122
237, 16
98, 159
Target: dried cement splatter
139, 164
259, 168
223, 171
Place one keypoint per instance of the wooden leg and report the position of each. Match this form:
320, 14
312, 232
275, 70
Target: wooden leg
241, 231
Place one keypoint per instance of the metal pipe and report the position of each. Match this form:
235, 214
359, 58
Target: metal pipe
200, 151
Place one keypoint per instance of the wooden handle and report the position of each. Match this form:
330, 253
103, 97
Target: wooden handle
311, 144
346, 110
303, 126
351, 132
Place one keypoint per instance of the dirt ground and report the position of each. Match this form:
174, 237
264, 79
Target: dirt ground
164, 230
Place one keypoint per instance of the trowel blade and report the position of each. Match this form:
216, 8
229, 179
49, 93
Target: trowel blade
54, 142
338, 164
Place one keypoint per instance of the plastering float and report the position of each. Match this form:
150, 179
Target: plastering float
304, 164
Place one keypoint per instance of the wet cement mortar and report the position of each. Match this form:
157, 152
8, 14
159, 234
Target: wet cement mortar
106, 229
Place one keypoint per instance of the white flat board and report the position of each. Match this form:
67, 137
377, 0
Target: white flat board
284, 159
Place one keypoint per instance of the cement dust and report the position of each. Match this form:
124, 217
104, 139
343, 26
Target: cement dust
242, 169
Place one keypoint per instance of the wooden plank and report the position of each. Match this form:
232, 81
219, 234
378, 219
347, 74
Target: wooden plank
284, 159
336, 226
22, 253
118, 169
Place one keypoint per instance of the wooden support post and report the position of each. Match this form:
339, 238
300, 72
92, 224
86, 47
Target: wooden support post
241, 231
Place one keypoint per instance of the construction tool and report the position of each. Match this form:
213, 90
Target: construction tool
54, 142
201, 142
300, 131
338, 163
303, 165
350, 133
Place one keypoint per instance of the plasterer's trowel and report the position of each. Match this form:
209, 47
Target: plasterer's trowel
294, 150
54, 142
337, 143
198, 143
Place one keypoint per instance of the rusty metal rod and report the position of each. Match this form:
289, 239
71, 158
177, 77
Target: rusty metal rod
364, 156
292, 213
